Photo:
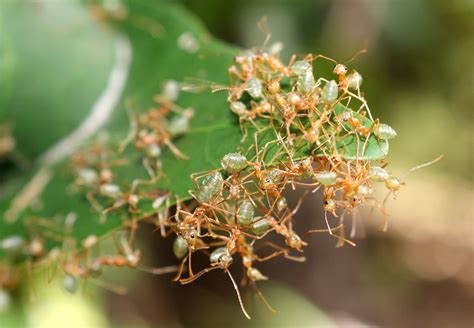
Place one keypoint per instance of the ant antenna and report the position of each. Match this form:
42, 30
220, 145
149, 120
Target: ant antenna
354, 56
260, 294
437, 159
263, 26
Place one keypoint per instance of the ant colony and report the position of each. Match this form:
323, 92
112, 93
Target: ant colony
298, 133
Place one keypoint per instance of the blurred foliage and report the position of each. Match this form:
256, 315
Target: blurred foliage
56, 49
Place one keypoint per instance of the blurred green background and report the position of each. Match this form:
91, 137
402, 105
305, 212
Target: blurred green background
418, 77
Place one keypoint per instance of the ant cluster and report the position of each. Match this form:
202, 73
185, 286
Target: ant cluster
98, 172
150, 132
305, 136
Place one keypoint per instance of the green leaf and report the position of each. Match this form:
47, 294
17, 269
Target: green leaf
57, 63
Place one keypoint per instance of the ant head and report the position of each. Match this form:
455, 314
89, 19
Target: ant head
329, 205
294, 241
340, 69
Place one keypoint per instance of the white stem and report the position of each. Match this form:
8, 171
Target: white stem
101, 109
98, 116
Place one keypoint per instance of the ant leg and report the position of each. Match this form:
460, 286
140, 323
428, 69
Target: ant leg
269, 257
159, 271
109, 286
243, 130
133, 127
340, 227
354, 223
148, 168
133, 232
29, 272
176, 152
264, 147
197, 275
51, 275
292, 60
162, 215
138, 182
234, 71
342, 239
285, 254
180, 270
385, 226
327, 222
190, 266
119, 203
321, 230
95, 204
260, 294
364, 103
